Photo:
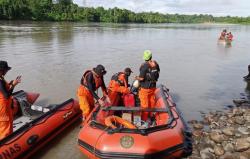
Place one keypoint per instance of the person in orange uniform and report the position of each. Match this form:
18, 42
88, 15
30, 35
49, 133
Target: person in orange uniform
6, 89
90, 82
149, 74
119, 86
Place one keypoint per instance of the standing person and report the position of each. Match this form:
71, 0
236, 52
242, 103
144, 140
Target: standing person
6, 89
119, 86
229, 36
247, 77
149, 74
223, 35
90, 82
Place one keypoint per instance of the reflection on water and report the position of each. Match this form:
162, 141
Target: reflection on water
51, 58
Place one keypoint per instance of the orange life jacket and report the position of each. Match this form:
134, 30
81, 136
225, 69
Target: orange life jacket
98, 80
120, 79
5, 104
230, 37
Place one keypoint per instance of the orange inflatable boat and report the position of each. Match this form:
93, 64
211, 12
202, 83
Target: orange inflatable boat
35, 125
118, 131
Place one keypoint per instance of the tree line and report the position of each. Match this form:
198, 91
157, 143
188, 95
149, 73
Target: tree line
66, 10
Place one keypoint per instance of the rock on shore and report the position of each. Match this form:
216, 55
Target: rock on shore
223, 135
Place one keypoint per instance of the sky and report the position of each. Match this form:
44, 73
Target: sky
214, 7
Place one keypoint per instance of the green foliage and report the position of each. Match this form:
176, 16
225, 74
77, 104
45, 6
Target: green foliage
14, 9
39, 9
66, 10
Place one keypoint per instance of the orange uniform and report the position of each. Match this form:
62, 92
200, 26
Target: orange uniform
6, 117
86, 100
117, 86
149, 72
90, 82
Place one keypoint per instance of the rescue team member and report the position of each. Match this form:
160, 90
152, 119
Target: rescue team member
119, 86
223, 35
149, 74
6, 89
229, 36
90, 82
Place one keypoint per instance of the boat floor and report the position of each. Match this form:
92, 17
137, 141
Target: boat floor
21, 121
28, 115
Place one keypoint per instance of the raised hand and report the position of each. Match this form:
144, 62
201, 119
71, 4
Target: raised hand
17, 80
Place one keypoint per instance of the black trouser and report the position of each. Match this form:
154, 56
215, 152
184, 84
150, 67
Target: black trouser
248, 72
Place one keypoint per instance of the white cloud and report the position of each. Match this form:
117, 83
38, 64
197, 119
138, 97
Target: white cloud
214, 7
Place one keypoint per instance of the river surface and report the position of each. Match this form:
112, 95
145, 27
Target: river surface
201, 74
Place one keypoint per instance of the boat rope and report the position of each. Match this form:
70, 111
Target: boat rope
178, 116
175, 118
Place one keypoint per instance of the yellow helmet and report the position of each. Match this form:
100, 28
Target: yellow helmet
147, 55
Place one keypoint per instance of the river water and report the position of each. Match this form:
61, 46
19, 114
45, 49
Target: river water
201, 74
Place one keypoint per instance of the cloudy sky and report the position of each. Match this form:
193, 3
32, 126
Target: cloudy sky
214, 7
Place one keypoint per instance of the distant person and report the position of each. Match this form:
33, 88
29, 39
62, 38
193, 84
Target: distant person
223, 35
6, 89
119, 86
149, 74
90, 82
229, 36
247, 77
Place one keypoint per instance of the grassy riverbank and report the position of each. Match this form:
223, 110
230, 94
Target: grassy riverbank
66, 10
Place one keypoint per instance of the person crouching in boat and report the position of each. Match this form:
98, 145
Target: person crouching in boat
118, 86
6, 89
90, 82
247, 77
149, 74
229, 36
223, 35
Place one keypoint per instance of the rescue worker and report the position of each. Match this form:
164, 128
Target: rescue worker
149, 74
229, 36
90, 82
6, 89
223, 35
247, 77
119, 86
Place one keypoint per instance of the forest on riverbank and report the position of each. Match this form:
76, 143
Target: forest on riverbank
66, 10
